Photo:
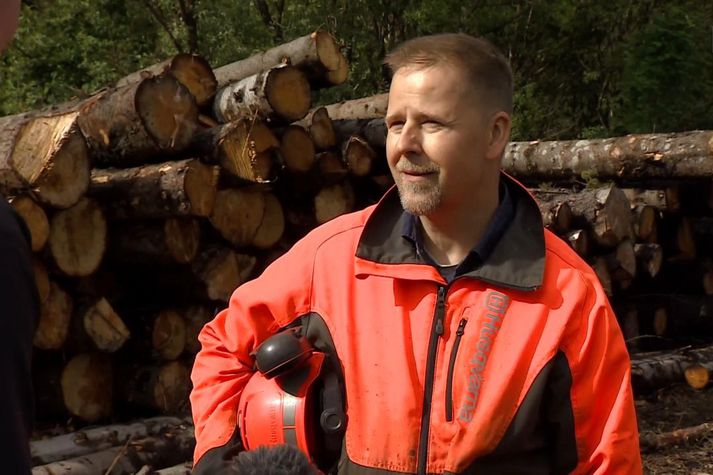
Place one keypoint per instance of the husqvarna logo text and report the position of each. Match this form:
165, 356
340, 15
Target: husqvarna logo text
496, 304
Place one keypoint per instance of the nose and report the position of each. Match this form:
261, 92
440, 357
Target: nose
408, 140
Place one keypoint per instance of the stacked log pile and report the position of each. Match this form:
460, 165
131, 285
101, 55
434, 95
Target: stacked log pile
150, 201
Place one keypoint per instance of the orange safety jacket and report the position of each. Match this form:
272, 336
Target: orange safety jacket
518, 366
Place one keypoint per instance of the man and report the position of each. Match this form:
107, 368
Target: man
471, 340
19, 313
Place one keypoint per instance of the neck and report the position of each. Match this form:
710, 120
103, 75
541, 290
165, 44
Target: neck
450, 235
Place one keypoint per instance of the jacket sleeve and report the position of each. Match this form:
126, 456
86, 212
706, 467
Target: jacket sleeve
19, 314
224, 364
602, 399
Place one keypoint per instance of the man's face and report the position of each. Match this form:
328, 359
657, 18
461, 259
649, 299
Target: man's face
437, 138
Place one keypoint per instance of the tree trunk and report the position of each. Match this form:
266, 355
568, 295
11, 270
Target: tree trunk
87, 386
87, 441
44, 154
171, 241
157, 451
297, 149
222, 270
699, 375
272, 225
237, 215
191, 70
245, 148
164, 388
98, 327
78, 238
359, 156
162, 190
35, 218
631, 158
55, 317
139, 122
317, 54
279, 94
321, 129
607, 211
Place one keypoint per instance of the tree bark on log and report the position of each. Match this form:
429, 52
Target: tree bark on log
36, 220
372, 107
245, 148
297, 149
654, 371
78, 238
607, 211
166, 449
87, 386
237, 215
359, 156
277, 95
44, 154
675, 156
556, 212
222, 270
373, 130
317, 54
162, 190
133, 124
650, 442
175, 240
87, 441
55, 317
191, 70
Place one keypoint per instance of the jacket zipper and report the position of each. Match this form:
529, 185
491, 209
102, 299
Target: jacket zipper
451, 368
436, 332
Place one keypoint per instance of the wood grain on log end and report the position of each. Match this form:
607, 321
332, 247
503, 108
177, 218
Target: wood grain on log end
237, 214
321, 129
194, 72
333, 201
168, 111
201, 187
359, 156
169, 334
297, 149
272, 225
182, 238
87, 386
78, 238
288, 92
36, 220
104, 326
55, 317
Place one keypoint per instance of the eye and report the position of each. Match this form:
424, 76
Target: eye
394, 126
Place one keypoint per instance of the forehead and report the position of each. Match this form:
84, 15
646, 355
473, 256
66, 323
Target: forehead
439, 86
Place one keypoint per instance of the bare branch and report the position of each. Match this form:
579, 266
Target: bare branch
161, 19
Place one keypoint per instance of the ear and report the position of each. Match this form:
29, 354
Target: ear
499, 126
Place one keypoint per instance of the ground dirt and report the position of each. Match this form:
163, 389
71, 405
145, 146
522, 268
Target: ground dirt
674, 408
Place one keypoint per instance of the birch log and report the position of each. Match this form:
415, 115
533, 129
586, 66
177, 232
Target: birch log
317, 54
279, 94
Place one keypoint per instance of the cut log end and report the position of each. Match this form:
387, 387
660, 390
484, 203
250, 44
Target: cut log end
87, 382
248, 151
172, 388
104, 326
41, 279
201, 187
297, 149
322, 130
328, 50
36, 220
169, 334
359, 156
697, 376
78, 238
222, 271
168, 111
182, 238
272, 226
237, 214
288, 93
55, 317
196, 75
333, 201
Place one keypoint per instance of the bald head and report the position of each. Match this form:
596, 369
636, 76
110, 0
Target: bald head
9, 14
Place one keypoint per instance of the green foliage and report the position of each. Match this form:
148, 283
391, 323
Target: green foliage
583, 68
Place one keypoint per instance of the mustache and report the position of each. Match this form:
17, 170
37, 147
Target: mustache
407, 167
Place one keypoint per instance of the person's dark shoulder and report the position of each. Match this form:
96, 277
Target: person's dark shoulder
12, 228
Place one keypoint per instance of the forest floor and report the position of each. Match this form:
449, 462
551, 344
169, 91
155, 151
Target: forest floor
674, 408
